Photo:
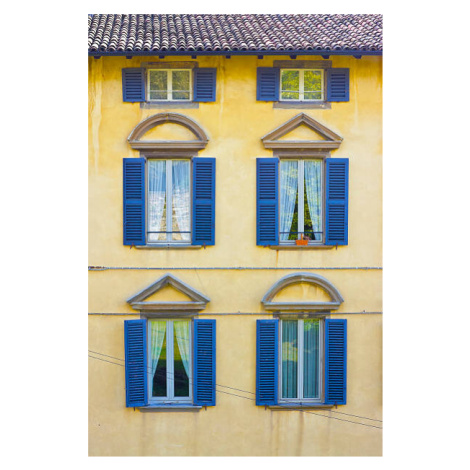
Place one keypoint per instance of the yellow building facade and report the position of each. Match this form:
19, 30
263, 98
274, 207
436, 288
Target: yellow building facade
235, 273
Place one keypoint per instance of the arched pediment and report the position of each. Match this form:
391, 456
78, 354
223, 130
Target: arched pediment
137, 142
302, 306
325, 138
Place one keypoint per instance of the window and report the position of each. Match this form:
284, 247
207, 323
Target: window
302, 85
168, 201
301, 210
171, 85
170, 362
169, 359
301, 364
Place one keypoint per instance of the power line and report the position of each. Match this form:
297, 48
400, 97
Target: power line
252, 399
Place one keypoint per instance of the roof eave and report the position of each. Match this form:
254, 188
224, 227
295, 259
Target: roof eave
312, 52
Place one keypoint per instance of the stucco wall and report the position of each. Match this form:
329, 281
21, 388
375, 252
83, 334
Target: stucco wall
235, 122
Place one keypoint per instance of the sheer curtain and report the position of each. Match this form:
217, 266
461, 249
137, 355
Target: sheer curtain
180, 171
289, 182
157, 334
289, 359
156, 197
182, 336
313, 189
311, 358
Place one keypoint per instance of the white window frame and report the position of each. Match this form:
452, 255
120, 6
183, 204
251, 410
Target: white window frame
301, 85
170, 364
169, 203
301, 201
300, 364
169, 91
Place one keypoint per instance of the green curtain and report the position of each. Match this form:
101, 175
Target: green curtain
311, 358
289, 358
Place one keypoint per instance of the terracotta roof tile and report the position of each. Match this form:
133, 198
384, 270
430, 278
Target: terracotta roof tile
211, 33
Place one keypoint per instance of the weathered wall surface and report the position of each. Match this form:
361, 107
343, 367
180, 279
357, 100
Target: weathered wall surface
235, 123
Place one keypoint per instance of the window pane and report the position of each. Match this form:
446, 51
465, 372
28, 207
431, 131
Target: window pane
290, 80
158, 357
158, 95
312, 95
180, 80
182, 357
290, 95
181, 95
313, 199
312, 80
289, 359
311, 359
158, 80
289, 199
181, 200
156, 200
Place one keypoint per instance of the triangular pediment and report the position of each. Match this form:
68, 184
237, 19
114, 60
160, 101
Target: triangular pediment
302, 131
168, 293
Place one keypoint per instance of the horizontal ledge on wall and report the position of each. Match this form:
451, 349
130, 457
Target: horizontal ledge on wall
234, 268
269, 314
168, 145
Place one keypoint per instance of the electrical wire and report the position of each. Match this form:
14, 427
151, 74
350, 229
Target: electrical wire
252, 399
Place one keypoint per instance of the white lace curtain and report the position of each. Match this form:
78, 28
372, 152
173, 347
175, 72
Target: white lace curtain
182, 337
157, 332
289, 183
156, 197
312, 169
180, 171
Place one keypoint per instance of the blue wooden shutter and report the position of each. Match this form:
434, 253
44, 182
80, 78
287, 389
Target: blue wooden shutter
204, 84
266, 361
204, 362
337, 87
335, 361
134, 201
267, 213
133, 85
135, 345
337, 186
267, 84
203, 201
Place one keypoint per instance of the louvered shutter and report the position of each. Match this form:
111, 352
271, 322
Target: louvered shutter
134, 201
335, 361
133, 85
337, 186
203, 201
204, 84
266, 361
267, 84
267, 213
204, 362
337, 87
135, 345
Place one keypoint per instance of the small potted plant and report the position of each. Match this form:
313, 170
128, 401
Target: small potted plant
303, 240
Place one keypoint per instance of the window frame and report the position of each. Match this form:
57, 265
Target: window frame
300, 323
171, 399
169, 90
301, 182
169, 235
301, 98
